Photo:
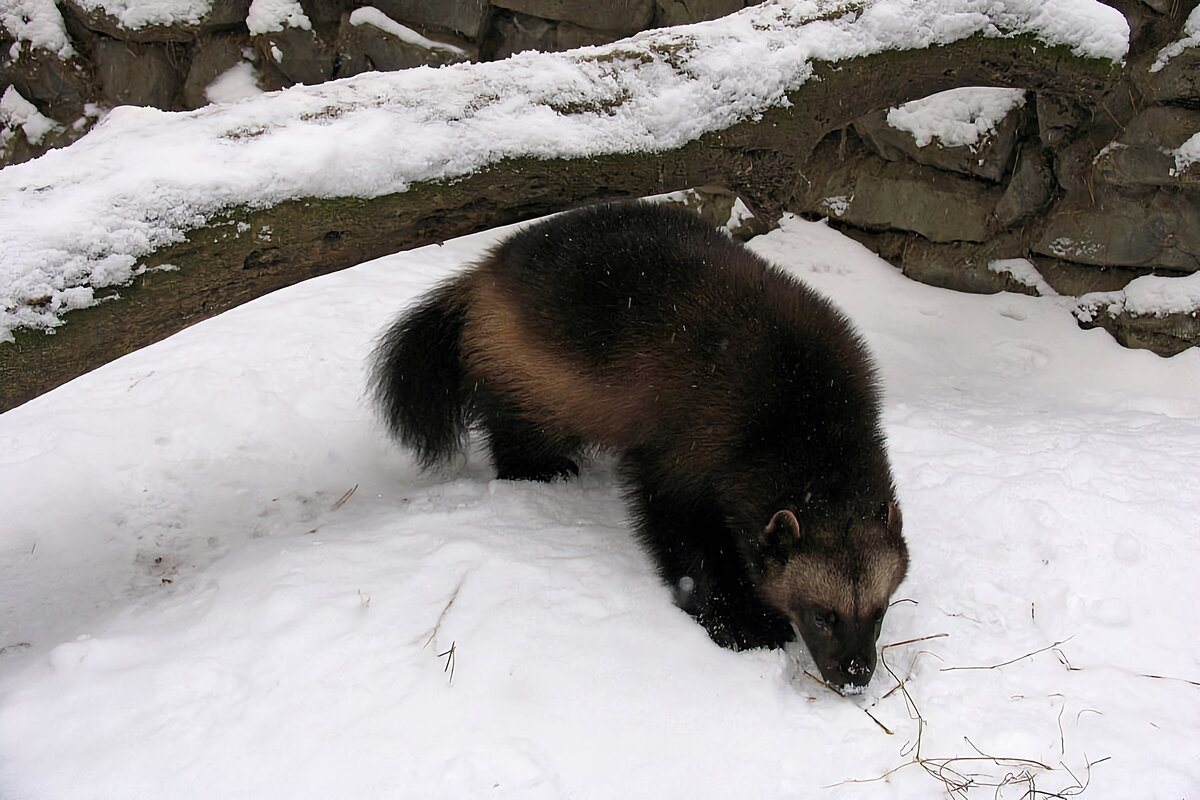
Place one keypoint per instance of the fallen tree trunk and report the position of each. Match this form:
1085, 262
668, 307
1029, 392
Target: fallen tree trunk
246, 253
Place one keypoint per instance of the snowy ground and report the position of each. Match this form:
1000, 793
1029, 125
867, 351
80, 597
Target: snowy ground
194, 608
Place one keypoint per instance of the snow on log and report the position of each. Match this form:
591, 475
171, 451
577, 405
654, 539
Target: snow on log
239, 199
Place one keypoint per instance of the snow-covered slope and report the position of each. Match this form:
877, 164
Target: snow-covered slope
193, 607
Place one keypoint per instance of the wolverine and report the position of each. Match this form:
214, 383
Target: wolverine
742, 407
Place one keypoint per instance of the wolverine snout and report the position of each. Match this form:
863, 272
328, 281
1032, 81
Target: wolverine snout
850, 674
857, 670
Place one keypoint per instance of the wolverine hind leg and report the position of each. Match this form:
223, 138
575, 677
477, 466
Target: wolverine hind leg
522, 450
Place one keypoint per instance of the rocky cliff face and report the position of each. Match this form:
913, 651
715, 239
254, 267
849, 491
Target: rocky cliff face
1047, 196
1088, 199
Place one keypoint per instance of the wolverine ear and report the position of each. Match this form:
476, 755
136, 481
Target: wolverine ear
782, 531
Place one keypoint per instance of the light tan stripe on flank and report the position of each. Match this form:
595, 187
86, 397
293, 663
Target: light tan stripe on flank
548, 381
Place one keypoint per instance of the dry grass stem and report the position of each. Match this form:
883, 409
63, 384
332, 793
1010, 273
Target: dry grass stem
437, 626
1062, 657
1005, 761
828, 686
840, 693
913, 641
960, 774
1167, 678
874, 719
341, 501
449, 656
1013, 660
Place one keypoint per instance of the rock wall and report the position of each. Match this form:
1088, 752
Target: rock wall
1048, 197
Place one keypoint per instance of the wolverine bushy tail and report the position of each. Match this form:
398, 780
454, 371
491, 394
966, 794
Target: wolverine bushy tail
417, 376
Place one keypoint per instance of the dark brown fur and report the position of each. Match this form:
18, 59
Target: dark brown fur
729, 391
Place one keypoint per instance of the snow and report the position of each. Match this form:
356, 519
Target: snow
17, 112
1189, 37
739, 215
837, 205
269, 16
377, 19
1157, 295
1148, 295
82, 216
134, 14
957, 117
197, 605
37, 22
1111, 147
1187, 154
1024, 272
234, 84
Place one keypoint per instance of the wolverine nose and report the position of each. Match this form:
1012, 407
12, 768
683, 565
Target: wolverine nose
857, 670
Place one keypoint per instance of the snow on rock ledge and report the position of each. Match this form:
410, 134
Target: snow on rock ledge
38, 22
1190, 38
134, 14
271, 16
158, 21
373, 41
958, 117
1187, 155
1154, 312
972, 130
377, 19
17, 112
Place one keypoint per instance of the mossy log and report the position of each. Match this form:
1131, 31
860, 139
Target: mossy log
246, 253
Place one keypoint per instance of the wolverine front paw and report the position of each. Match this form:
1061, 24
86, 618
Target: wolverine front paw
545, 471
748, 631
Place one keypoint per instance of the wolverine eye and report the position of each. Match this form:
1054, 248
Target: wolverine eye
878, 616
825, 618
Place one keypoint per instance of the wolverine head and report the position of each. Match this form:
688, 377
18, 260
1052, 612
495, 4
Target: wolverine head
833, 577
